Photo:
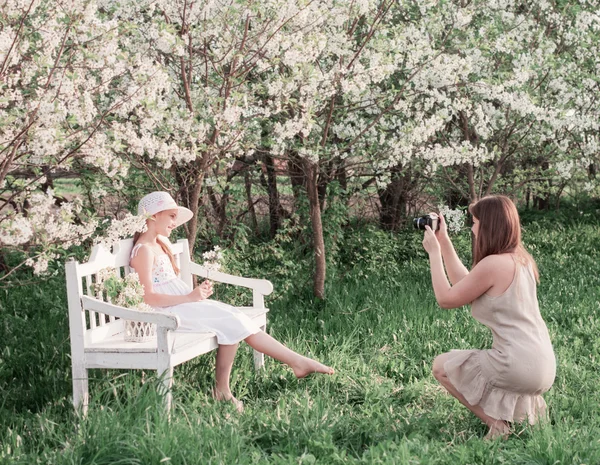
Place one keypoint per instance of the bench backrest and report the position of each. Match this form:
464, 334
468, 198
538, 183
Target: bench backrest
88, 327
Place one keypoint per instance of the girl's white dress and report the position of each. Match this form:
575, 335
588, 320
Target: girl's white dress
207, 316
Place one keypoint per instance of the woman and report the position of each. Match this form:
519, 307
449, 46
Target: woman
152, 259
503, 384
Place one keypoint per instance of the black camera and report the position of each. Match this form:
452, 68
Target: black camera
431, 220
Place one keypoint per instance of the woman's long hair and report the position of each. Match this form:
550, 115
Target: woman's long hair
499, 230
166, 249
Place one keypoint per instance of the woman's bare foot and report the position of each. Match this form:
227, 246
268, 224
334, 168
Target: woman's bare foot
228, 397
499, 430
306, 366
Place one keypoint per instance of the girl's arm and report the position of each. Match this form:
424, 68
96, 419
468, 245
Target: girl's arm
142, 263
473, 285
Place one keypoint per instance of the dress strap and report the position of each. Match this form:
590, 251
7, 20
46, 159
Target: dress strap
135, 250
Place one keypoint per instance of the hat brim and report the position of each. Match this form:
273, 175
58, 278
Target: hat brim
183, 215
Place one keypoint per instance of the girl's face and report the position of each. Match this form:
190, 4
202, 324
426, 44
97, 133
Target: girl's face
165, 222
475, 227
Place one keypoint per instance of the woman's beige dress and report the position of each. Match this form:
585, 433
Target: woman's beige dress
507, 381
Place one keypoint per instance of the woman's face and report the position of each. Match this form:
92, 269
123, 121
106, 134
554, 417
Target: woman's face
475, 227
165, 222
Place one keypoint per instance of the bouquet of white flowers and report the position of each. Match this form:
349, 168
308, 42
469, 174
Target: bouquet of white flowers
455, 219
126, 292
213, 259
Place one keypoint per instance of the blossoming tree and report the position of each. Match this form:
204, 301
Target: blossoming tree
469, 96
66, 70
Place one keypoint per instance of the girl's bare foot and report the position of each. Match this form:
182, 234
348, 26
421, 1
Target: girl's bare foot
228, 397
499, 430
306, 366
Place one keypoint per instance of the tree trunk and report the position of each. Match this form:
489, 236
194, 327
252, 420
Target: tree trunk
191, 179
394, 198
322, 183
311, 170
393, 201
219, 207
342, 178
543, 202
457, 194
250, 202
297, 177
471, 180
274, 205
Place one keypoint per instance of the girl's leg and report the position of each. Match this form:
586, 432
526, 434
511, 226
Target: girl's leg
301, 365
497, 427
224, 362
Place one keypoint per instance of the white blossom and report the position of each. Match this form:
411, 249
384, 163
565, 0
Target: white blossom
213, 259
437, 85
122, 228
455, 218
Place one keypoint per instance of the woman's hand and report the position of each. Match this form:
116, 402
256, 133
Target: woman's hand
442, 232
430, 242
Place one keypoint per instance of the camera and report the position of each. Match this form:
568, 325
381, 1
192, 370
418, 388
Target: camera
431, 220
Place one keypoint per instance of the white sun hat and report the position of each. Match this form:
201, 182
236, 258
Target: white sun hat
161, 201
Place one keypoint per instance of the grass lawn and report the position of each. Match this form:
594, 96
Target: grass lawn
380, 327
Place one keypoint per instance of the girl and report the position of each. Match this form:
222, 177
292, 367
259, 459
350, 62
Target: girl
152, 259
503, 384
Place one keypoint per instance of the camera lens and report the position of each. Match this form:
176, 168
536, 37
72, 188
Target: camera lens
419, 223
426, 220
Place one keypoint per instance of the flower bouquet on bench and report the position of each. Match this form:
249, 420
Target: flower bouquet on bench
126, 292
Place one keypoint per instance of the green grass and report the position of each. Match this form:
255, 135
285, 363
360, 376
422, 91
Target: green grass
380, 328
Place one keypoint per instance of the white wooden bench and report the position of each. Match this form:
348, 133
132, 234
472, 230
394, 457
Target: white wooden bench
96, 327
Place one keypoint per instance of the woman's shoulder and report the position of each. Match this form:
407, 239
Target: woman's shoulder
501, 270
495, 259
500, 257
497, 262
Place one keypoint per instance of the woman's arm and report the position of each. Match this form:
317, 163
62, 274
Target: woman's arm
473, 285
142, 263
454, 267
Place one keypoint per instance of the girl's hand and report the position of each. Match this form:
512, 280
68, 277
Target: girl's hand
207, 288
430, 241
196, 295
201, 292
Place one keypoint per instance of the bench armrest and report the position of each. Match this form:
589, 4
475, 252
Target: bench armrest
262, 286
160, 319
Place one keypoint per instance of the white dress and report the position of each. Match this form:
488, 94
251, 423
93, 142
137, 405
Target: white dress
207, 316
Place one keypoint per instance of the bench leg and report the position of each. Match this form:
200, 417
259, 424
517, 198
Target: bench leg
166, 374
80, 388
165, 366
259, 357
